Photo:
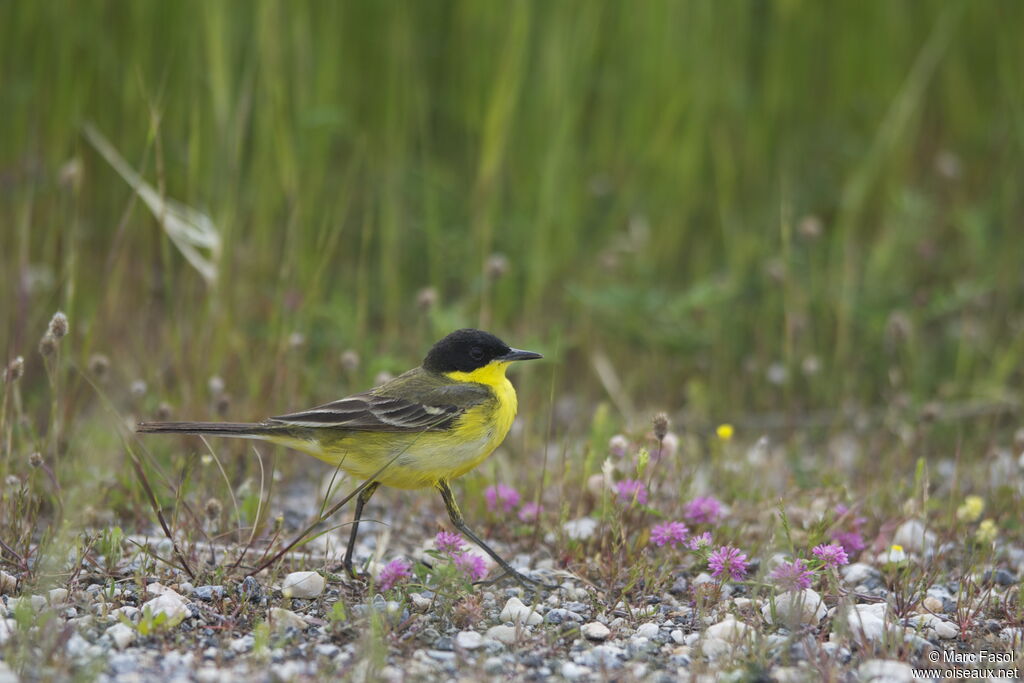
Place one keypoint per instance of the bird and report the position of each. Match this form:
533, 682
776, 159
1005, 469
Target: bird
422, 429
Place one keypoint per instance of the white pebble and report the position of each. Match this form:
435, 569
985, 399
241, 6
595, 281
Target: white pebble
595, 630
283, 619
58, 596
572, 671
8, 583
794, 608
169, 604
303, 585
122, 635
516, 612
914, 537
884, 670
677, 636
648, 630
502, 634
468, 640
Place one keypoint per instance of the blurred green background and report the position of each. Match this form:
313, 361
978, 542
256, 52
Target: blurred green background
734, 207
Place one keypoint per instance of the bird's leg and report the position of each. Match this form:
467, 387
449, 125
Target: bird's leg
457, 520
364, 496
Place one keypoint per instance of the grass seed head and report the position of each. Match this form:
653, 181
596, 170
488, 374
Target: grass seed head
48, 345
35, 459
213, 509
58, 325
99, 366
660, 426
426, 299
15, 369
497, 266
350, 360
163, 411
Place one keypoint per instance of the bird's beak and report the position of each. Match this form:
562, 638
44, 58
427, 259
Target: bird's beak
519, 354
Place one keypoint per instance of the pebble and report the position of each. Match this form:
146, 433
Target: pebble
724, 637
603, 657
595, 630
795, 608
122, 635
282, 619
932, 604
560, 615
8, 583
502, 634
580, 529
677, 636
58, 596
420, 602
516, 612
935, 627
208, 593
885, 671
243, 644
494, 665
868, 622
468, 640
858, 573
251, 589
572, 671
441, 655
914, 537
303, 585
169, 604
648, 630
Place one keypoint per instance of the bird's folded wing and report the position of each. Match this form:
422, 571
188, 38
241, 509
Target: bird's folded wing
373, 412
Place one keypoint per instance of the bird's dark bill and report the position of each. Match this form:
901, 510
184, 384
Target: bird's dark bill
519, 354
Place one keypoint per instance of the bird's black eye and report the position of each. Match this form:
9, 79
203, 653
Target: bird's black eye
476, 353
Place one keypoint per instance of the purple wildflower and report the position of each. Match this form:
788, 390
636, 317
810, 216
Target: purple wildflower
727, 562
449, 543
792, 576
393, 572
851, 541
831, 554
504, 496
703, 510
530, 512
700, 541
629, 490
669, 533
473, 566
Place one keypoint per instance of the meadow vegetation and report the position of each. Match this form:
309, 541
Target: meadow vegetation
792, 227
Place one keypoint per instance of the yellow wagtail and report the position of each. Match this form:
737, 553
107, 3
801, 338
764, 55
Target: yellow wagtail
424, 428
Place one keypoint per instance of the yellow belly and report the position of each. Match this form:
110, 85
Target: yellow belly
420, 459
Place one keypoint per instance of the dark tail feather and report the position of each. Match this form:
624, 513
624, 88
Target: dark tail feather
237, 429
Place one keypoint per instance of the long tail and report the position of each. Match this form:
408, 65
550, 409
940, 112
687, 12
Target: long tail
244, 430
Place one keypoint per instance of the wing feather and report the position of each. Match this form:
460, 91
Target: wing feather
437, 409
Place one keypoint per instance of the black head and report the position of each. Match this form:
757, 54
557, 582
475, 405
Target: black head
468, 350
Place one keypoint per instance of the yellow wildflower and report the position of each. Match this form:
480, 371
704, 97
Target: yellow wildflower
986, 532
725, 431
971, 509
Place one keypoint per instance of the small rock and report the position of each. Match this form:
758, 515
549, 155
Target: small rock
468, 640
420, 602
328, 650
518, 613
208, 593
8, 583
932, 604
595, 630
441, 655
572, 671
580, 529
243, 644
494, 665
868, 622
885, 671
502, 634
724, 637
122, 635
677, 636
648, 630
283, 619
58, 596
250, 589
169, 604
914, 537
794, 608
303, 585
935, 627
7, 674
858, 573
604, 656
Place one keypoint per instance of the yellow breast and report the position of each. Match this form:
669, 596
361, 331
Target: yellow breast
488, 423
